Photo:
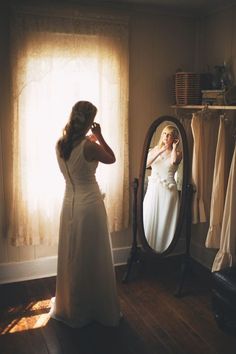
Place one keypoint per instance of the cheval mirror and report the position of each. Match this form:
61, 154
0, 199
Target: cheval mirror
162, 194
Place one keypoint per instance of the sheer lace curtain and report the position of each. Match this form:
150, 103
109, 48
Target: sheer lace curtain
58, 59
1, 188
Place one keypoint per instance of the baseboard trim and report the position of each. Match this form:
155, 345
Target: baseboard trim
21, 271
45, 267
201, 270
121, 255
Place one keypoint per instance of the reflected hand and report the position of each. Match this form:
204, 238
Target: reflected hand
175, 143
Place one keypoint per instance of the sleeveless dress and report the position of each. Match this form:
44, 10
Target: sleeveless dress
86, 287
161, 204
226, 256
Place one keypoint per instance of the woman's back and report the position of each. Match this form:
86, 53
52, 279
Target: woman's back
77, 169
80, 179
86, 289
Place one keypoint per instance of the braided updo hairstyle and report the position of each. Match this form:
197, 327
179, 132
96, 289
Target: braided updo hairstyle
81, 118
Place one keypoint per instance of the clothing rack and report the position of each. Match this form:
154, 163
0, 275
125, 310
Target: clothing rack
204, 106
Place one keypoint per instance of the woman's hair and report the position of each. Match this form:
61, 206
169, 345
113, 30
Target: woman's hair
172, 130
81, 117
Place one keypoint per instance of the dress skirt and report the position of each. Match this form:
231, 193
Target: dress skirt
86, 288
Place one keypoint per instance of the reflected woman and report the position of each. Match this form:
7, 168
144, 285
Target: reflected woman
161, 201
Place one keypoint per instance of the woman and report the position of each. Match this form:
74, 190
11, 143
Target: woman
86, 288
161, 201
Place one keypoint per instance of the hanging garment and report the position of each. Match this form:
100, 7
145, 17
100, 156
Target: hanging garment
220, 178
226, 255
198, 213
203, 124
186, 122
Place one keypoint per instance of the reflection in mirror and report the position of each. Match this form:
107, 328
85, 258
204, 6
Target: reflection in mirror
162, 186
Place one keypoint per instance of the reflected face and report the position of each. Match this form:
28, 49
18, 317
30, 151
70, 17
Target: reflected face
167, 137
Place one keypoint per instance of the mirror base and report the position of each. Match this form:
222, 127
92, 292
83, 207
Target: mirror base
185, 267
133, 260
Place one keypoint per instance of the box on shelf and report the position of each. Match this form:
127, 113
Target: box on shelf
230, 96
187, 88
213, 97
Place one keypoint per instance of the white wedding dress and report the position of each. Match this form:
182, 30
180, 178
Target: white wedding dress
86, 288
161, 204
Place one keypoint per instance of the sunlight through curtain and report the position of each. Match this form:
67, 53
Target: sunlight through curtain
57, 61
1, 187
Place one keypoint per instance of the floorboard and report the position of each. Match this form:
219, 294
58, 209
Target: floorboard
155, 321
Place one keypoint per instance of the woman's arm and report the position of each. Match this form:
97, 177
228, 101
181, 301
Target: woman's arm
176, 156
100, 150
153, 154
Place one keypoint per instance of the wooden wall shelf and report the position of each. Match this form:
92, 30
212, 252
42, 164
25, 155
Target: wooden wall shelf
203, 106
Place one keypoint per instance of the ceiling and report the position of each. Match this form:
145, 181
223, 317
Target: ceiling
199, 6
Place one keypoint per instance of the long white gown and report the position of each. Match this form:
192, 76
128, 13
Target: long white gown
161, 204
85, 288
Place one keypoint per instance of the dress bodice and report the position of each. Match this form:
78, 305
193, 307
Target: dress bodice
77, 169
164, 171
79, 175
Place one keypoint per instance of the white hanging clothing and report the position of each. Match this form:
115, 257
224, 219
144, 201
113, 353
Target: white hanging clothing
226, 255
203, 125
198, 213
220, 178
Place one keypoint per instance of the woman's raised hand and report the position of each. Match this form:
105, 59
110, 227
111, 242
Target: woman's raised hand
92, 138
96, 129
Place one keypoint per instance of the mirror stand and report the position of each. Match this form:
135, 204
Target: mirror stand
162, 198
134, 256
135, 253
185, 266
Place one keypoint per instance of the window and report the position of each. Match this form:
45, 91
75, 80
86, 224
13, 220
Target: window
51, 70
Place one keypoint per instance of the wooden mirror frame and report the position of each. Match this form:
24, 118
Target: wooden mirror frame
184, 190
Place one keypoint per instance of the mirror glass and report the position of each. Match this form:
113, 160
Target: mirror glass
162, 180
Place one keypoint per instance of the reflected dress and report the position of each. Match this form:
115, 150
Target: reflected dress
161, 203
86, 287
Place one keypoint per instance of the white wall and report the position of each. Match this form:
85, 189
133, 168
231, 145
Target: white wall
159, 44
217, 43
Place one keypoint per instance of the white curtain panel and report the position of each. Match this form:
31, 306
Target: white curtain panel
2, 211
59, 58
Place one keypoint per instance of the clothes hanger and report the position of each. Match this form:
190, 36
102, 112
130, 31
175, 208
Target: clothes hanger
205, 108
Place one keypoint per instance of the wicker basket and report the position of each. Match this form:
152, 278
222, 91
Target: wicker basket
187, 88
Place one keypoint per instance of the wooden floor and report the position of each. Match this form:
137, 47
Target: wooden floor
154, 322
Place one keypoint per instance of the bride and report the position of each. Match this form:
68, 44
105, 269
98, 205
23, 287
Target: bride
85, 288
161, 201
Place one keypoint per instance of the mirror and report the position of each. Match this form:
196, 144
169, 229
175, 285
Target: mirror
162, 187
